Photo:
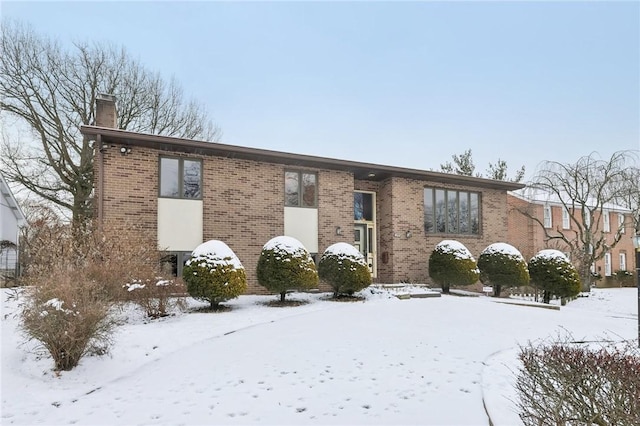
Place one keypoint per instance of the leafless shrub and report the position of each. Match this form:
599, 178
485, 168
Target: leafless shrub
157, 296
564, 383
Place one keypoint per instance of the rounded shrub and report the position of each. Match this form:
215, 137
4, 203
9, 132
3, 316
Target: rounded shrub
344, 268
214, 273
502, 266
285, 264
451, 263
551, 272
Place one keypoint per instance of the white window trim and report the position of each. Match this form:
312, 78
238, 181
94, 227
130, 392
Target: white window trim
548, 219
622, 258
566, 221
606, 222
607, 264
621, 222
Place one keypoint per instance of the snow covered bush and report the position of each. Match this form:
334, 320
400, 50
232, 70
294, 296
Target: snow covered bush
551, 272
451, 263
214, 273
502, 266
344, 268
285, 264
563, 383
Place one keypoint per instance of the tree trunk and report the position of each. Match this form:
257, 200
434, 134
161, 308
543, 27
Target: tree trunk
496, 290
445, 289
282, 295
546, 298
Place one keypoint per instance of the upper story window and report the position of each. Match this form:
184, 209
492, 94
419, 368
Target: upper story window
606, 223
547, 216
362, 206
566, 224
586, 217
300, 189
451, 212
180, 178
621, 222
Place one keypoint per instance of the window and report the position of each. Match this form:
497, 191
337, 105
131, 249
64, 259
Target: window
300, 189
606, 223
607, 264
566, 222
173, 263
586, 214
547, 216
623, 261
621, 222
451, 212
362, 206
180, 178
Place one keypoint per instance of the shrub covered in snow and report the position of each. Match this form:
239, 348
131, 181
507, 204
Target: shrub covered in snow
285, 264
451, 263
214, 273
551, 272
155, 296
344, 268
502, 266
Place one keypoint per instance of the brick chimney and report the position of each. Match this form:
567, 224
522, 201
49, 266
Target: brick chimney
106, 115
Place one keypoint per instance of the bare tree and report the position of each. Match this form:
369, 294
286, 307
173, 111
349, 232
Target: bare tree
463, 165
585, 190
52, 91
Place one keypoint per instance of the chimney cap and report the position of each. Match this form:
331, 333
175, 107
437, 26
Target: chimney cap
106, 97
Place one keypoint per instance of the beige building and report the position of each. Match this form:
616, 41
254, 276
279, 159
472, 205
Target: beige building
185, 192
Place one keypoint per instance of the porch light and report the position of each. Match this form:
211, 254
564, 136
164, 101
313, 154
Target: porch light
338, 230
408, 234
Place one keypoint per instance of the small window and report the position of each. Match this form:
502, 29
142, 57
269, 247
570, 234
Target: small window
547, 216
300, 189
362, 206
566, 221
606, 223
621, 222
607, 264
180, 178
173, 262
623, 261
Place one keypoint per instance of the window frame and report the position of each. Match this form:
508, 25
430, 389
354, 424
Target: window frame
181, 161
621, 222
608, 269
301, 173
566, 219
472, 212
606, 221
547, 216
622, 261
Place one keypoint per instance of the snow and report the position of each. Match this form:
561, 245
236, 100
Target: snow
456, 248
345, 251
284, 244
503, 248
551, 254
431, 361
216, 253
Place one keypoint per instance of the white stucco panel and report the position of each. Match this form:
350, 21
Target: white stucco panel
180, 224
302, 224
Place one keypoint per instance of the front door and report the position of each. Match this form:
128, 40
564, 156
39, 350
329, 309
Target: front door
363, 241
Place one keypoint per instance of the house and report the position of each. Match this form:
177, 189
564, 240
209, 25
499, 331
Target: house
185, 192
608, 224
11, 219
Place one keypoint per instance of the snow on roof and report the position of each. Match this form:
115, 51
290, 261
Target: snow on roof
456, 248
345, 250
217, 253
503, 248
285, 244
540, 196
551, 254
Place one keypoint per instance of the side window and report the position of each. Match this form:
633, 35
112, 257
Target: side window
180, 178
300, 189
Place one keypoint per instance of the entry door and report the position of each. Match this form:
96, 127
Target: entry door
362, 241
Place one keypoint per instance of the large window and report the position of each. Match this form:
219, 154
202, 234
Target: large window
362, 206
451, 212
180, 178
300, 189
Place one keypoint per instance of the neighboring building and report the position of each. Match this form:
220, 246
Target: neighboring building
185, 192
11, 219
529, 236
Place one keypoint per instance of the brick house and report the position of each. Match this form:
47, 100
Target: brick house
611, 222
185, 192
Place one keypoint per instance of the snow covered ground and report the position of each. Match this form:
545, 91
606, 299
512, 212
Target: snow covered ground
383, 361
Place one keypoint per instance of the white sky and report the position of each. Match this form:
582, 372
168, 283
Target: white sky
404, 84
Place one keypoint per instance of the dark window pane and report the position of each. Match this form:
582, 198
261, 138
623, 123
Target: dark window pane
452, 212
428, 210
358, 206
463, 198
291, 186
169, 178
192, 179
441, 211
308, 190
474, 208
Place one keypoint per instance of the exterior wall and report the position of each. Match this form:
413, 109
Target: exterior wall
528, 235
8, 232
